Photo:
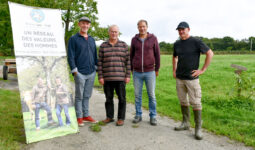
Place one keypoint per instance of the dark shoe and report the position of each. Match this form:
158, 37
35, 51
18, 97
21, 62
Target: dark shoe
137, 119
153, 121
120, 123
185, 119
108, 120
198, 124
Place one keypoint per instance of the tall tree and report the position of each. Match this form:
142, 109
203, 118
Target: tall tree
72, 10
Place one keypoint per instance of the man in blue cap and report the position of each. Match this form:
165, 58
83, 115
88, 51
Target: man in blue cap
82, 58
186, 71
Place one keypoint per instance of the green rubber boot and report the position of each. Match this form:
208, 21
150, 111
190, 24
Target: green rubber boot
185, 119
198, 124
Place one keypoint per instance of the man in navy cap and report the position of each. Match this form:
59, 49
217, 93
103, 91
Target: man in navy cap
82, 58
186, 71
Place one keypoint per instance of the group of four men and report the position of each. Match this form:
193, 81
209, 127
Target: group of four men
116, 63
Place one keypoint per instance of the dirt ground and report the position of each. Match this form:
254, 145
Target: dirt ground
144, 137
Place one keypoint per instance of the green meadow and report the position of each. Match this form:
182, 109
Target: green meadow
223, 112
12, 134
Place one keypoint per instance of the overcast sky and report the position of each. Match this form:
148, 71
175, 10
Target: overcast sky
207, 18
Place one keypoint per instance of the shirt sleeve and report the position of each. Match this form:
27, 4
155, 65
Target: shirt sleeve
203, 48
95, 56
100, 63
174, 54
71, 54
128, 67
157, 55
132, 53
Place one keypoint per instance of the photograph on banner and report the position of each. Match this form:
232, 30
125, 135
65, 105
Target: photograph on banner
46, 97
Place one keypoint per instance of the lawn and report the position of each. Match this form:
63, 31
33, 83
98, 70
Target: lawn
12, 135
222, 113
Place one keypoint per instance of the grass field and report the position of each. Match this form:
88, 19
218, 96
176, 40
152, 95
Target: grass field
12, 135
222, 112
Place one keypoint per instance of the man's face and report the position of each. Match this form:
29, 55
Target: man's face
58, 81
142, 28
84, 26
183, 32
40, 81
113, 33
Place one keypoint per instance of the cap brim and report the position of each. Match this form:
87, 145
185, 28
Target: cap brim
180, 27
85, 20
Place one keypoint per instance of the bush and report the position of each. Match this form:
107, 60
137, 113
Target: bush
6, 52
245, 85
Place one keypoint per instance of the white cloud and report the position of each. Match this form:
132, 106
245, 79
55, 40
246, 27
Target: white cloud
216, 18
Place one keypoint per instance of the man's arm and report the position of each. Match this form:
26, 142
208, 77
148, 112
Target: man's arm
132, 53
64, 91
157, 57
209, 54
100, 67
128, 70
95, 56
174, 61
71, 56
33, 94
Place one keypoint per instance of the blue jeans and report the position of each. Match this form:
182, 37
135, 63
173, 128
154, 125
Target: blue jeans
83, 91
150, 82
44, 106
59, 108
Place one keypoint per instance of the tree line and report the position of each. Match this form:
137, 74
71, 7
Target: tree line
226, 43
72, 10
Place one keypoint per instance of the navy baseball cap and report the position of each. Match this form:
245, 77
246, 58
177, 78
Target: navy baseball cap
182, 25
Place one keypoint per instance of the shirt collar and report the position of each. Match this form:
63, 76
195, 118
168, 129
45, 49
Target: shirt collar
78, 33
108, 42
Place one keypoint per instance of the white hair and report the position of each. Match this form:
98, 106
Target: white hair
111, 26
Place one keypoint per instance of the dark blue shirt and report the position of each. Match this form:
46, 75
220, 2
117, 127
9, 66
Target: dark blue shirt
82, 54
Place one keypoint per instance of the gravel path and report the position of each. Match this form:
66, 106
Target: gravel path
144, 137
11, 83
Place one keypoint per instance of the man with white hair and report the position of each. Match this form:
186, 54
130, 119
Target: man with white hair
114, 73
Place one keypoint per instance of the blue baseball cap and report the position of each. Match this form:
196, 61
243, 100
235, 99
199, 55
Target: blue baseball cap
182, 25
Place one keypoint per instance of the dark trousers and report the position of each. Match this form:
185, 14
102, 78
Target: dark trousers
120, 88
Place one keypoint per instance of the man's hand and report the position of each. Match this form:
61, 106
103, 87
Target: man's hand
127, 80
101, 81
196, 73
174, 74
209, 55
75, 73
156, 73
